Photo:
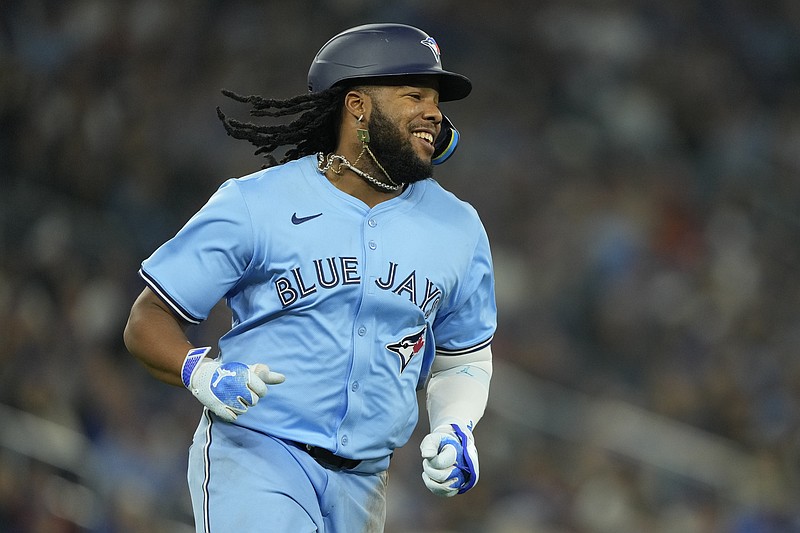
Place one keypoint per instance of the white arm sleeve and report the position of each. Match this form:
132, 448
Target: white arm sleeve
459, 388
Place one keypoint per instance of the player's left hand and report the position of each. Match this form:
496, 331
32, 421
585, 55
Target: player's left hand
449, 460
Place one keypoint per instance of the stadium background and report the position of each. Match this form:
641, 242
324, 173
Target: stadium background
635, 163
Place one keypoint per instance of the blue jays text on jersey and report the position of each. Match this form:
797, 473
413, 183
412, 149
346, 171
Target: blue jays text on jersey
351, 303
332, 271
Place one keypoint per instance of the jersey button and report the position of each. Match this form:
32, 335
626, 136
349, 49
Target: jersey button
372, 223
362, 331
372, 245
355, 386
344, 440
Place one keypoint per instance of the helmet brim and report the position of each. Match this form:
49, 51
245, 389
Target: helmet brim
452, 86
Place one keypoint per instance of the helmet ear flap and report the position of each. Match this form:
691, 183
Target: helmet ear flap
445, 143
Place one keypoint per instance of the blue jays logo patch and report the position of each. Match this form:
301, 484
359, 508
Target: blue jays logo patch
431, 43
408, 347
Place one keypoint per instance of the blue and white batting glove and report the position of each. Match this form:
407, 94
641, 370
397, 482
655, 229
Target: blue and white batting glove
227, 389
449, 460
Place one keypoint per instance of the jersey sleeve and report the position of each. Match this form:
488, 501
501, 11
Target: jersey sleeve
469, 324
196, 268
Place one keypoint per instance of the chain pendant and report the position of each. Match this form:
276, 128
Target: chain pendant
325, 163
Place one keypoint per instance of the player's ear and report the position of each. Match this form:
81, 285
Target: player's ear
357, 104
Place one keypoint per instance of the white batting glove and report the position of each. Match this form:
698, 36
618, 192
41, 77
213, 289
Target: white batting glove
449, 460
227, 389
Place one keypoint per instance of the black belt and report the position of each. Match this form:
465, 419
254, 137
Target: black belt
328, 459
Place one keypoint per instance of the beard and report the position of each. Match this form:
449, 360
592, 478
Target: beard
395, 152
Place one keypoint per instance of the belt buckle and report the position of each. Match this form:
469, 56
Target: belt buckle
328, 459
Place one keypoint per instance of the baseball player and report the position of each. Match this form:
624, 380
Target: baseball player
354, 279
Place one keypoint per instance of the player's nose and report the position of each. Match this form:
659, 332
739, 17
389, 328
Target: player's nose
432, 112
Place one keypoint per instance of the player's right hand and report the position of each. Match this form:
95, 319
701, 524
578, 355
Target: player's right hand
227, 389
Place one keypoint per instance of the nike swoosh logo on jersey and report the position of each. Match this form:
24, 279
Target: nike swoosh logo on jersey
299, 220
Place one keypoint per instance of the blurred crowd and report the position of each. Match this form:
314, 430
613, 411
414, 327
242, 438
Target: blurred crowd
635, 163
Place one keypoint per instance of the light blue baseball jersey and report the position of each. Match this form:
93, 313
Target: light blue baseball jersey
350, 303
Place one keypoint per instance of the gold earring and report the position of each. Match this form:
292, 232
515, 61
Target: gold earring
363, 134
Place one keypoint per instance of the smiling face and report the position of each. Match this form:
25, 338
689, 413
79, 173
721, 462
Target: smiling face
403, 123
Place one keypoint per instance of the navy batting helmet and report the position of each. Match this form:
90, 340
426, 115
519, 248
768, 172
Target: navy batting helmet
375, 50
379, 50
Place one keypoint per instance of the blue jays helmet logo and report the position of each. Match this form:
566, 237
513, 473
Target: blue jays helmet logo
431, 43
408, 347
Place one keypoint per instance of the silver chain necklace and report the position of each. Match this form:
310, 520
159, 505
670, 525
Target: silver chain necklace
326, 163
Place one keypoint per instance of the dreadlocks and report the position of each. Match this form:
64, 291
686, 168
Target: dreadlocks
315, 130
